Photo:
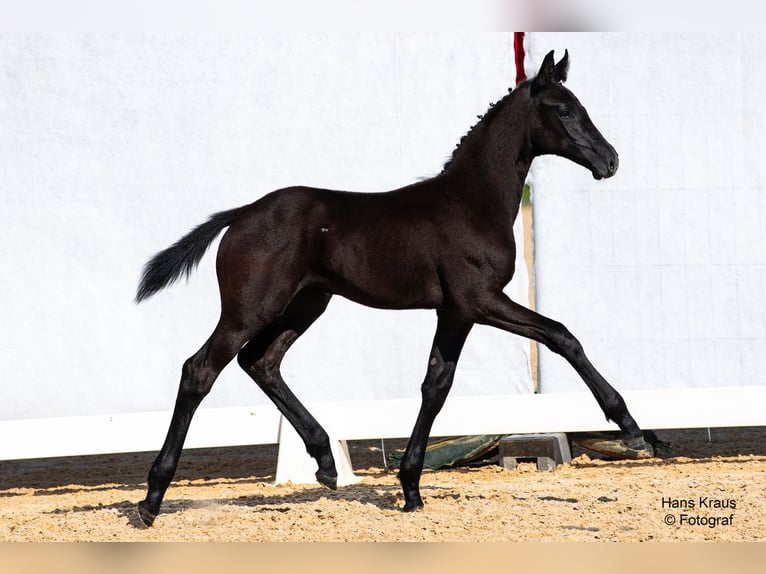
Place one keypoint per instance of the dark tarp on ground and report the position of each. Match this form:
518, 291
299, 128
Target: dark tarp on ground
456, 451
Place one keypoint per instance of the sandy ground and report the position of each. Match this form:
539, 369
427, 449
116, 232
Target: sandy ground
227, 495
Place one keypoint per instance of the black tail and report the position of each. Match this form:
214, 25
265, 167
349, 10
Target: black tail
183, 256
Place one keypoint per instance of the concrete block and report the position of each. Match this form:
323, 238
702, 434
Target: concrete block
547, 450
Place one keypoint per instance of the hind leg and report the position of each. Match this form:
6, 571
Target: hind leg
262, 357
198, 375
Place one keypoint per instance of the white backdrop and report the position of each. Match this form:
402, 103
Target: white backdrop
113, 146
660, 271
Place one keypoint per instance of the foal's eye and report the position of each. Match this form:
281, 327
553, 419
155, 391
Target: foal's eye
563, 114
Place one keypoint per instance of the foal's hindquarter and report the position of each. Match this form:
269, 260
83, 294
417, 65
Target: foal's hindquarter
445, 244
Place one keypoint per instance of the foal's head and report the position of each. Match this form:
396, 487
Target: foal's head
561, 125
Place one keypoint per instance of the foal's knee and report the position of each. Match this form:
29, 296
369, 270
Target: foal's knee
561, 341
438, 377
261, 369
614, 406
263, 361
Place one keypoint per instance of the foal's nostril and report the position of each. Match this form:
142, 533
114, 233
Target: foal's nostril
614, 163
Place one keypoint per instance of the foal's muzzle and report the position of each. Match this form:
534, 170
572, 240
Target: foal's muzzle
607, 167
613, 164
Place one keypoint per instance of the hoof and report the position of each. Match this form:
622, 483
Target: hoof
143, 513
413, 506
638, 448
328, 480
636, 443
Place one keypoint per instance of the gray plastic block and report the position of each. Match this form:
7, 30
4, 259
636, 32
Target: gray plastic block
548, 450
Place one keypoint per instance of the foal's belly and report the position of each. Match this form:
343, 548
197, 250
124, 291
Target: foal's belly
383, 274
388, 295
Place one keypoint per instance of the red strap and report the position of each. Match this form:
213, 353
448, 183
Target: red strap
518, 50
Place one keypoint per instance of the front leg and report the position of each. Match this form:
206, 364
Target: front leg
499, 311
448, 342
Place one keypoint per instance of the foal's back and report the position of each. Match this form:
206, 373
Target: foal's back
379, 249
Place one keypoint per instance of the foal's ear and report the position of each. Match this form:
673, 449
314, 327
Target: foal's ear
546, 75
562, 69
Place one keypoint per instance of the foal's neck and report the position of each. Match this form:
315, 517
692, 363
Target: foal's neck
493, 160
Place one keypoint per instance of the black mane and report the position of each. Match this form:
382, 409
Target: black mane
484, 120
